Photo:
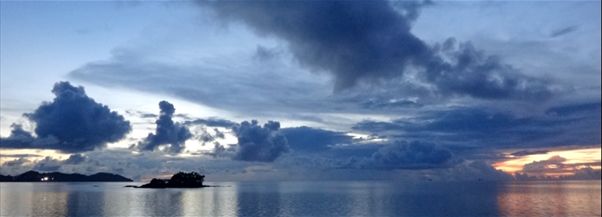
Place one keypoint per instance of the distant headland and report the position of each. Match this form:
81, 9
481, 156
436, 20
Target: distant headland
179, 180
34, 176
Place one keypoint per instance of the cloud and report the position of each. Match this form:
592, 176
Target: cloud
257, 143
18, 138
168, 133
206, 137
218, 150
563, 31
202, 81
577, 124
350, 39
377, 103
18, 155
141, 114
72, 122
16, 162
265, 54
307, 139
75, 159
47, 164
555, 165
541, 165
575, 109
410, 155
475, 170
146, 165
559, 168
212, 122
372, 41
586, 173
293, 89
462, 69
16, 166
528, 152
397, 155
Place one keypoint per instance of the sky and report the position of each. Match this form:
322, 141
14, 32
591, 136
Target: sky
294, 90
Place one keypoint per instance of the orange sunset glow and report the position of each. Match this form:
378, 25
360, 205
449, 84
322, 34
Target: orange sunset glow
553, 163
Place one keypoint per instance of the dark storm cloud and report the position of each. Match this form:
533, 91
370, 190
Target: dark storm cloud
462, 69
563, 31
77, 121
410, 155
371, 41
19, 138
72, 122
307, 139
257, 143
172, 135
352, 39
486, 128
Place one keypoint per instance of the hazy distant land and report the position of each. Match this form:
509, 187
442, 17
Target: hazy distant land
34, 176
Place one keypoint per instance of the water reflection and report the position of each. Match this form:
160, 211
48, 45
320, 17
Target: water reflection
304, 199
569, 198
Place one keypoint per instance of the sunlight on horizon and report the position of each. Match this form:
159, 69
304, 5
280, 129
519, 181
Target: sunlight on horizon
569, 160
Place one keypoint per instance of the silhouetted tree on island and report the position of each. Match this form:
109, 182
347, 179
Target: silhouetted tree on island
192, 179
179, 180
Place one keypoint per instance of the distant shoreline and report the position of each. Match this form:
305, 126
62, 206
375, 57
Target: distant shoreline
35, 176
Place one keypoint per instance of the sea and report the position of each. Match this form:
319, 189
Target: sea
332, 198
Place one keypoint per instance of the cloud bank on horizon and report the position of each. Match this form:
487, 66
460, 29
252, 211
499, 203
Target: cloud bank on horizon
359, 89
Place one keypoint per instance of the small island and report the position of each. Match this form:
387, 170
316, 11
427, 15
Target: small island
179, 180
35, 176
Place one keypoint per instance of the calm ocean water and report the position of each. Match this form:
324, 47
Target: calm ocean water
568, 198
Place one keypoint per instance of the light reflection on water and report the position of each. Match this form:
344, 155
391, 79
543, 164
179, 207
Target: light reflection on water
551, 199
574, 198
